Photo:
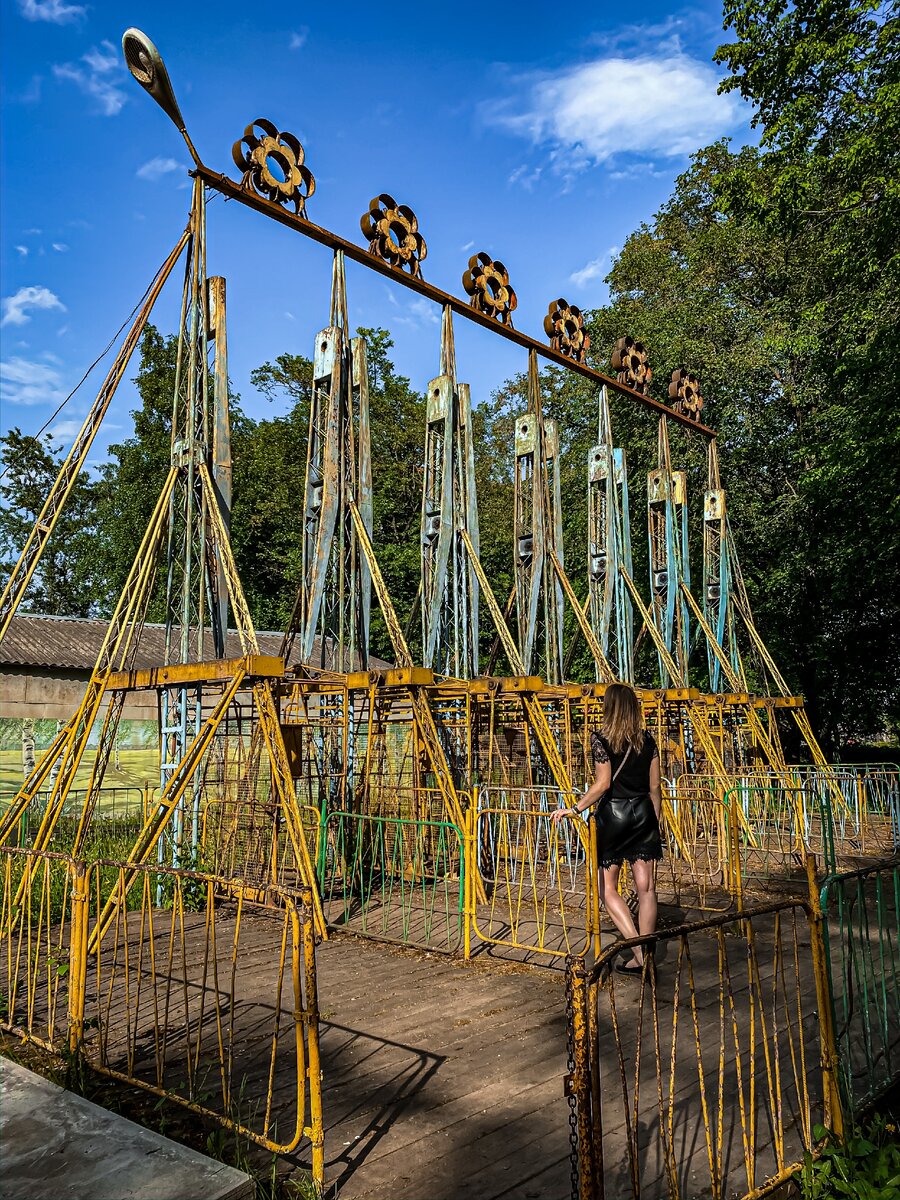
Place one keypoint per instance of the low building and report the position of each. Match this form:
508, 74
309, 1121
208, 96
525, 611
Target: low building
46, 662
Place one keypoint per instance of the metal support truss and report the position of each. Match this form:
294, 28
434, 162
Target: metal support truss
609, 545
221, 427
116, 653
334, 597
196, 588
537, 530
449, 507
669, 558
718, 608
43, 527
201, 583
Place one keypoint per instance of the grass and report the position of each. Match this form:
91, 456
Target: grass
864, 1165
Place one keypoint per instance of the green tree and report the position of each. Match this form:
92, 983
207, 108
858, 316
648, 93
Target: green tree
269, 472
131, 481
773, 273
68, 580
825, 82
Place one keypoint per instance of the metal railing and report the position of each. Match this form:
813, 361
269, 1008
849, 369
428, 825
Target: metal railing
208, 1002
778, 824
397, 879
700, 869
539, 876
862, 934
41, 916
680, 1087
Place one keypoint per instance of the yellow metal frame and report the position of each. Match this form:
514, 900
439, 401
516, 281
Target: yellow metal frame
51, 955
754, 1046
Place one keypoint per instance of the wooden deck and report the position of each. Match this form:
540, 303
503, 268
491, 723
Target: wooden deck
441, 1079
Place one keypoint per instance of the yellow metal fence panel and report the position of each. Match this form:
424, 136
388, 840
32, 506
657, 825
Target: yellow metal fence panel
539, 876
36, 945
682, 1087
208, 999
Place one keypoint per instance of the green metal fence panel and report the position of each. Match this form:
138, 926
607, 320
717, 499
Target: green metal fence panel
862, 931
394, 879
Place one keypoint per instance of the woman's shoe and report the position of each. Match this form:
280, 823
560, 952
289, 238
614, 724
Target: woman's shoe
627, 969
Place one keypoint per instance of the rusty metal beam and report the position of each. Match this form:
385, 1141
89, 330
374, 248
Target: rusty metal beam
361, 254
255, 666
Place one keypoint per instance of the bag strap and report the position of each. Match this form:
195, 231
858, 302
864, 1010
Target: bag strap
620, 766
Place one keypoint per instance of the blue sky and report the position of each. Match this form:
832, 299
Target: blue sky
541, 135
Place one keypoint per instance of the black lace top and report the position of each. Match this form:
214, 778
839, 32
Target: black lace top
634, 777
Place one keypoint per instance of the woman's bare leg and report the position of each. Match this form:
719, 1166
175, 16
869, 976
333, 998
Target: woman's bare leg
619, 912
645, 886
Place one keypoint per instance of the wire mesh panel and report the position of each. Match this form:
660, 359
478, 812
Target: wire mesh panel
394, 878
239, 811
862, 913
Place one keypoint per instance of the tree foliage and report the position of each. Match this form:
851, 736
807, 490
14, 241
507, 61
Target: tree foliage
68, 581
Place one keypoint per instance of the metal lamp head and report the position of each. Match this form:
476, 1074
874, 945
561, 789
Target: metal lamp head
146, 65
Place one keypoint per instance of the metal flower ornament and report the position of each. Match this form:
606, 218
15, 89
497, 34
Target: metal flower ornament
273, 166
392, 232
684, 392
629, 361
487, 282
564, 325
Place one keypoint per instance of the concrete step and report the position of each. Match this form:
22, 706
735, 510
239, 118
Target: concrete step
55, 1145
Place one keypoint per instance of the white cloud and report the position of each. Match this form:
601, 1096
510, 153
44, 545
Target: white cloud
155, 168
416, 313
644, 106
526, 175
23, 250
24, 381
64, 431
421, 312
55, 11
99, 78
596, 268
299, 38
60, 247
16, 308
468, 246
588, 272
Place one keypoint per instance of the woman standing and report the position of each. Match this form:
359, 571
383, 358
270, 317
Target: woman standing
627, 787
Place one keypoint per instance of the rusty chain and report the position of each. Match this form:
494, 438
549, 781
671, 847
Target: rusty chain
571, 1096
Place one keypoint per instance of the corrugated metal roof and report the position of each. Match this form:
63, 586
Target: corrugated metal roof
73, 643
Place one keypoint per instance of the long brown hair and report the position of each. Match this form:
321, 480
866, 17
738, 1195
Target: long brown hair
623, 720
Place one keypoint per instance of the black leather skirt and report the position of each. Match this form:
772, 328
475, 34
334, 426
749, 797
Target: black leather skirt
627, 830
